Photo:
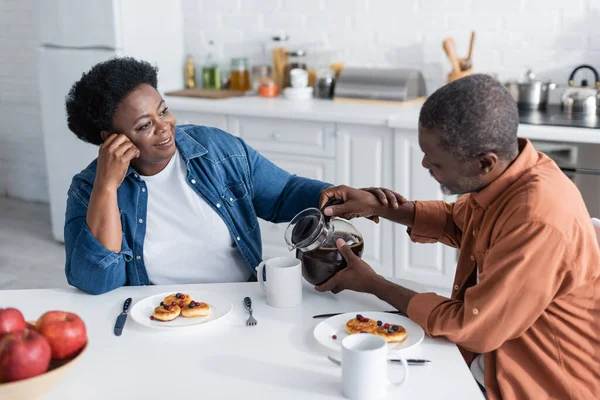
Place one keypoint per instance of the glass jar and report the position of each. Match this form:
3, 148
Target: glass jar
240, 76
313, 235
296, 59
259, 72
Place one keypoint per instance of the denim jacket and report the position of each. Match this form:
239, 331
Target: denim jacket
239, 184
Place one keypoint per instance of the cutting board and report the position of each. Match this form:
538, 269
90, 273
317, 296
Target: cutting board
206, 93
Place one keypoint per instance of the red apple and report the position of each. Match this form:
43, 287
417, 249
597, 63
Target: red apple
11, 320
64, 331
23, 354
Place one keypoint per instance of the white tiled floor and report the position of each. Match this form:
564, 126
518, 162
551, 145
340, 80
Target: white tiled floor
29, 256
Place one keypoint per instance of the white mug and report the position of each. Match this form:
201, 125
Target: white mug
284, 281
298, 78
365, 367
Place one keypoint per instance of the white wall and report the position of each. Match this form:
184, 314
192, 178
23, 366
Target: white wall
22, 161
551, 36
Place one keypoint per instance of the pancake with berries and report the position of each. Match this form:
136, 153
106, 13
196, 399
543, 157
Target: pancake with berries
361, 324
195, 309
181, 299
166, 312
391, 333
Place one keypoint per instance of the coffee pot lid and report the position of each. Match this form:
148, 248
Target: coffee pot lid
307, 227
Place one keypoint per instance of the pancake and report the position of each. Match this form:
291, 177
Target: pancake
166, 313
391, 334
181, 299
359, 325
195, 309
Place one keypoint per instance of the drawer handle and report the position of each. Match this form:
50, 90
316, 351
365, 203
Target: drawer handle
276, 136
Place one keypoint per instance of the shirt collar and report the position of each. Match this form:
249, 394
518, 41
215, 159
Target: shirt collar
527, 158
187, 145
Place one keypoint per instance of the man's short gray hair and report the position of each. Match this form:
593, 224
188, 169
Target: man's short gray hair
474, 115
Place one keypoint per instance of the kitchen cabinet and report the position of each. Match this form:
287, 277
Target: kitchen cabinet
322, 169
285, 136
196, 118
431, 264
364, 159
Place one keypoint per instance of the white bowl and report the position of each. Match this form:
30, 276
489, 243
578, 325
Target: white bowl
303, 93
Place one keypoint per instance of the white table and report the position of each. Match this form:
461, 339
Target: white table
277, 359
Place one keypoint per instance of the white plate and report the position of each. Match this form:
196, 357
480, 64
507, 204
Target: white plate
143, 309
336, 325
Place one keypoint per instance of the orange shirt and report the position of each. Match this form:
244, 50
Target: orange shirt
535, 312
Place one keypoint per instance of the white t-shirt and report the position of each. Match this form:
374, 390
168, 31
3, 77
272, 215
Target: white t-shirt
186, 240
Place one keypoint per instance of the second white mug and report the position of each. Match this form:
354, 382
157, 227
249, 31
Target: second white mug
283, 286
365, 367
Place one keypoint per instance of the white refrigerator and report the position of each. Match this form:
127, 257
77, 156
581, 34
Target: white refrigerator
75, 35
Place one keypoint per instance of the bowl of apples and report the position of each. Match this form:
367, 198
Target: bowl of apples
36, 355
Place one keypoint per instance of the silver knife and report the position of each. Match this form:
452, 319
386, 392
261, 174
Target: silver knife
334, 314
409, 361
122, 318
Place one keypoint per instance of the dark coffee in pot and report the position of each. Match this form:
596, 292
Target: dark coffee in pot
321, 264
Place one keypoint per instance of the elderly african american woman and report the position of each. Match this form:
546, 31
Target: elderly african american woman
165, 204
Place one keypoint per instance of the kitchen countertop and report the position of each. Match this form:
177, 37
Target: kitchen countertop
401, 117
310, 110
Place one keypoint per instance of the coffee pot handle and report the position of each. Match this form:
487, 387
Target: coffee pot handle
330, 202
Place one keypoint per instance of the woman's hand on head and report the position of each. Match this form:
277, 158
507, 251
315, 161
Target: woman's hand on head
114, 157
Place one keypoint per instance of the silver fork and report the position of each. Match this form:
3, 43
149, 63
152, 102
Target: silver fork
251, 320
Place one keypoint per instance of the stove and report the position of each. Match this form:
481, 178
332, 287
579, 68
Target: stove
554, 116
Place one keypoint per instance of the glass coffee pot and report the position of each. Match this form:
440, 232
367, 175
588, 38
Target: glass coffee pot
313, 235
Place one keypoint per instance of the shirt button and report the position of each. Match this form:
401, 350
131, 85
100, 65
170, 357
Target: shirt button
231, 199
475, 311
141, 221
218, 205
193, 181
238, 238
143, 189
456, 287
138, 257
472, 258
136, 176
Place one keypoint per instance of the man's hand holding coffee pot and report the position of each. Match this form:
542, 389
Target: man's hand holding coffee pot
357, 276
366, 203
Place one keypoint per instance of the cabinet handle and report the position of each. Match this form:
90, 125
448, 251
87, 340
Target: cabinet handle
337, 133
276, 136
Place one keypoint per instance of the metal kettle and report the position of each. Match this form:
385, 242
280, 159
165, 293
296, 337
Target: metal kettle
582, 99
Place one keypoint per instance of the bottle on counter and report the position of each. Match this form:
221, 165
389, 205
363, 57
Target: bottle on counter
211, 76
190, 73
